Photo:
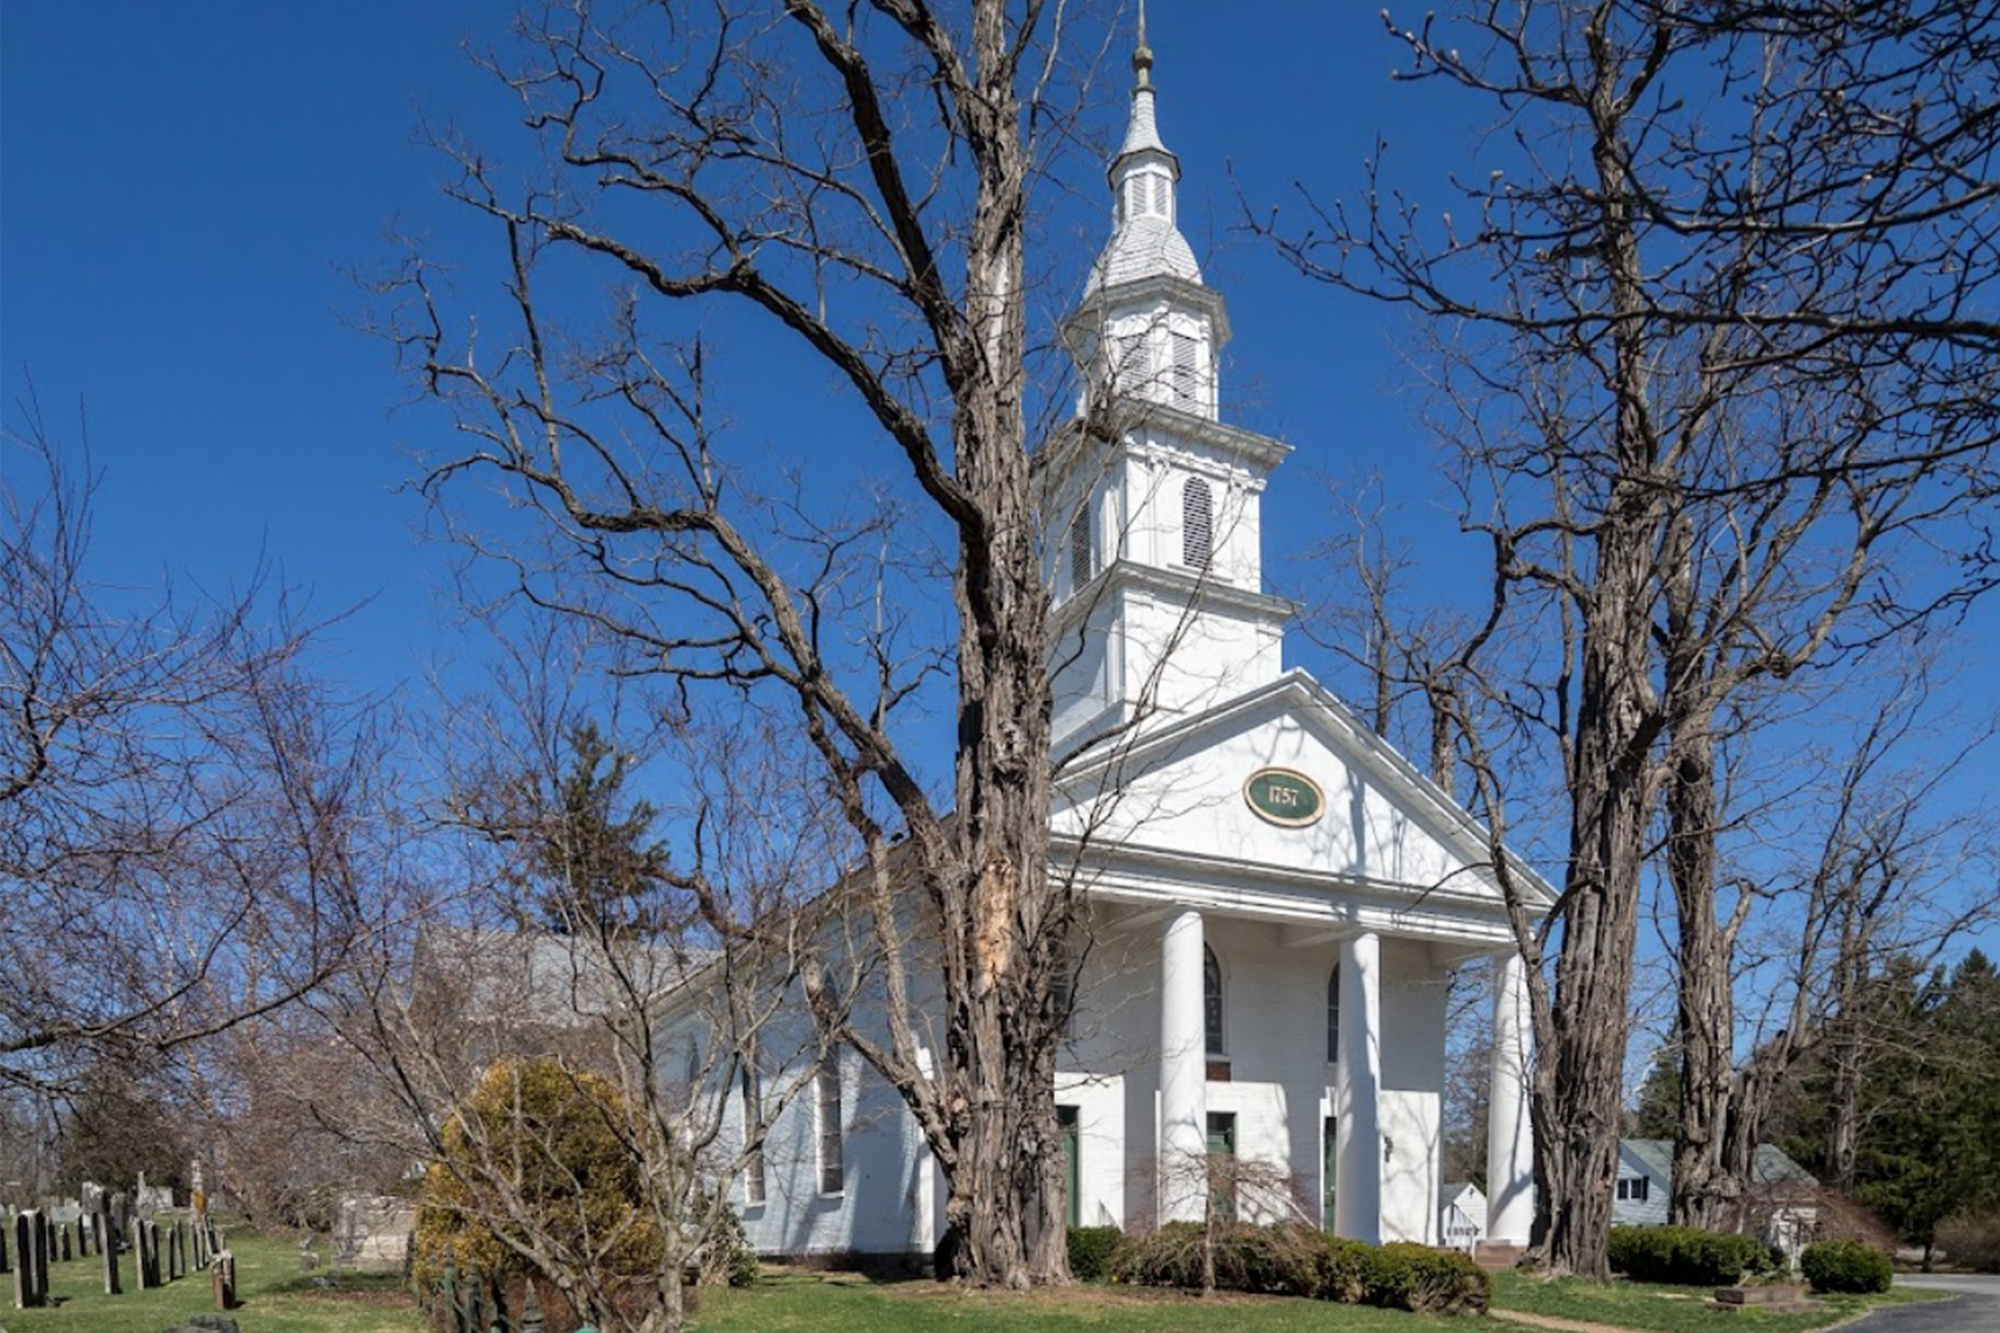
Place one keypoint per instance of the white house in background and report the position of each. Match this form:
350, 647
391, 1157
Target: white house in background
1461, 1215
1781, 1205
1275, 896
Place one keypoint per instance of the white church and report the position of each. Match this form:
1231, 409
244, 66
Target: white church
1276, 897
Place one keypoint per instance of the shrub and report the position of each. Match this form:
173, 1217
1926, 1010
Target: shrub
1846, 1265
1971, 1240
543, 1137
728, 1256
1686, 1256
1289, 1259
1404, 1276
1091, 1250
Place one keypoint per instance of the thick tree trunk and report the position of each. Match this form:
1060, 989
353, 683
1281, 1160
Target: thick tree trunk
1580, 1073
1005, 1208
1702, 1186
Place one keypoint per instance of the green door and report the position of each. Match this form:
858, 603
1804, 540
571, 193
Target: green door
1329, 1156
1066, 1125
1222, 1163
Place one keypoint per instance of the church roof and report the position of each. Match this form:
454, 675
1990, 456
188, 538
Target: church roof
1437, 830
1145, 247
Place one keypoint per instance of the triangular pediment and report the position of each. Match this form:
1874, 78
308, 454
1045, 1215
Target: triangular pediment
1179, 792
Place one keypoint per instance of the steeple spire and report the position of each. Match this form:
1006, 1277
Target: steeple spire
1142, 54
1145, 178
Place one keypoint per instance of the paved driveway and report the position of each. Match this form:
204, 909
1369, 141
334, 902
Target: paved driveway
1976, 1310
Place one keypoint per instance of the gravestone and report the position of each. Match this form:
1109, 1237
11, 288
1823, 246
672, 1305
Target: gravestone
31, 1279
121, 1220
175, 1269
62, 1243
222, 1277
6, 1246
149, 1254
107, 1248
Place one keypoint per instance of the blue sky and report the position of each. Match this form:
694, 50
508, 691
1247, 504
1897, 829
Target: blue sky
185, 190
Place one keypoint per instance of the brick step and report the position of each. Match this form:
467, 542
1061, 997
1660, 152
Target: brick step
1494, 1257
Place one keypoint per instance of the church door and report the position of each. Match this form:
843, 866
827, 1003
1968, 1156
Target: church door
1072, 1180
1222, 1163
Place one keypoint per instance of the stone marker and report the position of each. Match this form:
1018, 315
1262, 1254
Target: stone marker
176, 1270
31, 1278
107, 1249
62, 1244
149, 1253
223, 1279
6, 1235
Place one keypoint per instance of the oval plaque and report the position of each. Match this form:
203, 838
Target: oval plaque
1283, 797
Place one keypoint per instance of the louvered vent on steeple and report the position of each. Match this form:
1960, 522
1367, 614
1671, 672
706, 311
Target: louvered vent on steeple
1197, 523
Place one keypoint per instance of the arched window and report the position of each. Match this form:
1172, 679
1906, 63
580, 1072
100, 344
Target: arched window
1079, 550
1197, 523
1211, 999
1333, 1016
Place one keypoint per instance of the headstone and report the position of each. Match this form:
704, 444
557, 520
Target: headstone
175, 1270
223, 1280
62, 1243
6, 1238
107, 1248
148, 1237
121, 1220
31, 1273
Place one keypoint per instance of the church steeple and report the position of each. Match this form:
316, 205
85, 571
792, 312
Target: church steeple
1152, 504
1146, 240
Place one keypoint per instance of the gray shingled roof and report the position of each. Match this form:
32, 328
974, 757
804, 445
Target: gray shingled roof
1771, 1166
1145, 247
547, 979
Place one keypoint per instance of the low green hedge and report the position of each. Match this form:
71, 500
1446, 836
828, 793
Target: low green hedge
1090, 1251
1687, 1256
1846, 1265
1296, 1260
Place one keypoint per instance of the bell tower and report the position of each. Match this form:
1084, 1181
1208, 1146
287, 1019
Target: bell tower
1150, 500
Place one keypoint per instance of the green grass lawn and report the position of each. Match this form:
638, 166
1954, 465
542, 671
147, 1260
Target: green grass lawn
1658, 1309
838, 1302
275, 1298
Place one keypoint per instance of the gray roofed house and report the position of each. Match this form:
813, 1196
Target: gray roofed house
1646, 1172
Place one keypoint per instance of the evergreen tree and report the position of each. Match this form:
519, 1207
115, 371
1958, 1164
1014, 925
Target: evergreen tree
592, 861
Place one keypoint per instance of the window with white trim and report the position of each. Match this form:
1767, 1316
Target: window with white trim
1333, 1016
1634, 1189
753, 1136
1197, 523
1211, 1000
832, 1175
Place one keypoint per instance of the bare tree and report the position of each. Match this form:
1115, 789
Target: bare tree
662, 1017
184, 815
861, 179
1718, 368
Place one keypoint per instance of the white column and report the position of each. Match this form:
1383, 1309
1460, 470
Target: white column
1357, 1197
1510, 1138
1183, 1072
